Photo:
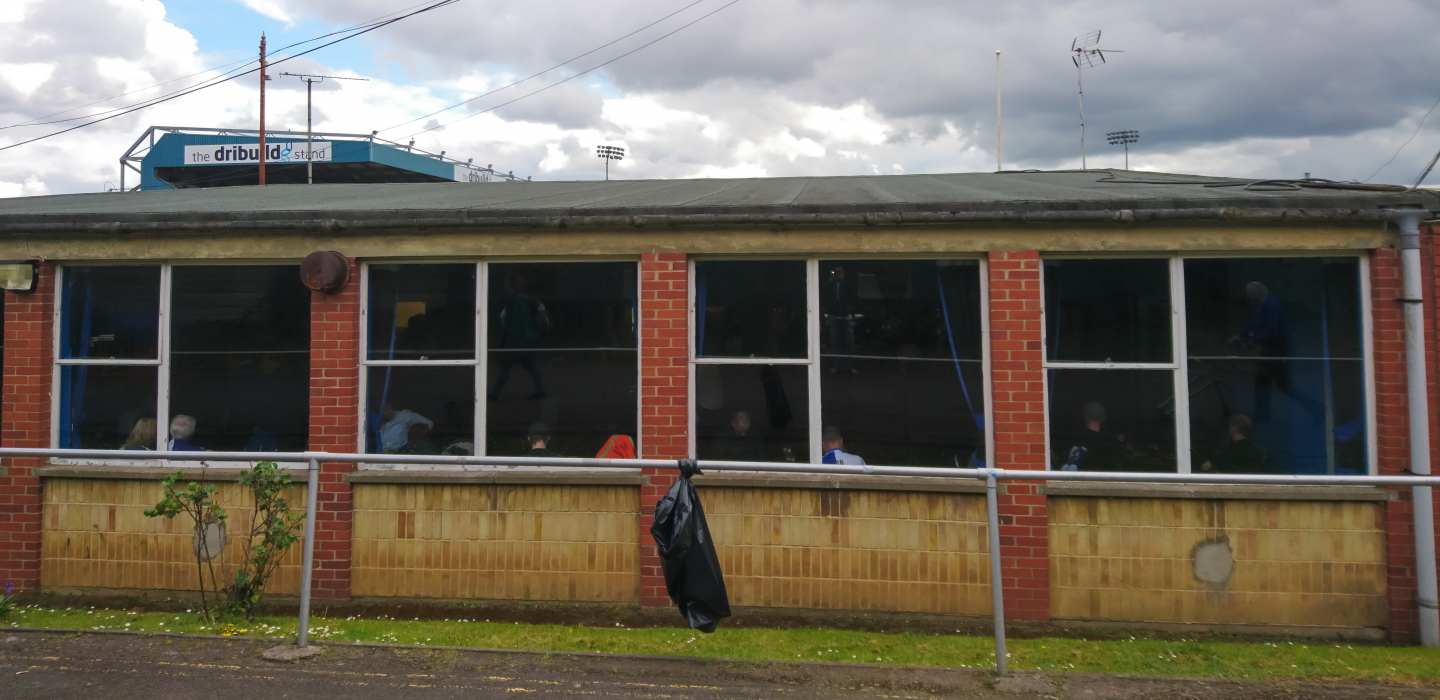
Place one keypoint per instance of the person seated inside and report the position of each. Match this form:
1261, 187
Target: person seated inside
142, 436
1241, 455
740, 443
1094, 449
395, 427
182, 428
833, 443
418, 441
539, 439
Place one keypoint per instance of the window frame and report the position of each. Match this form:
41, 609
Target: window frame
162, 363
812, 329
1180, 362
481, 361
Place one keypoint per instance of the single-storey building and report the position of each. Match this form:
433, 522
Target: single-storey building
1086, 320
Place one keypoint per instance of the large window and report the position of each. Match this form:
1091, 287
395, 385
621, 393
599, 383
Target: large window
221, 352
834, 360
557, 375
1266, 355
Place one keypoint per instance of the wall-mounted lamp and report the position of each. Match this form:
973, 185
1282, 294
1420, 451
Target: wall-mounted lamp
18, 275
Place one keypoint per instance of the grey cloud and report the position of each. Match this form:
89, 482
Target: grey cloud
566, 106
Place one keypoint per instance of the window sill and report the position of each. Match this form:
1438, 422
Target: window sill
553, 478
151, 473
840, 483
1250, 492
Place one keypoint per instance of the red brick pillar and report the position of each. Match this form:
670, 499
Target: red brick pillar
25, 422
1392, 420
1018, 382
334, 426
664, 397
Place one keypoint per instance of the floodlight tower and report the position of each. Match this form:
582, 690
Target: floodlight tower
609, 153
1125, 138
1085, 51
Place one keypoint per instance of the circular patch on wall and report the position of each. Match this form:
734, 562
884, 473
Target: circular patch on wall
1213, 561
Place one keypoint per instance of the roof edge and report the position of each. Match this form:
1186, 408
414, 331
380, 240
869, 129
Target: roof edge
359, 220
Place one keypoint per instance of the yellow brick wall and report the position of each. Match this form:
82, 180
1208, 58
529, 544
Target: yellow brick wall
851, 550
96, 535
1307, 563
509, 542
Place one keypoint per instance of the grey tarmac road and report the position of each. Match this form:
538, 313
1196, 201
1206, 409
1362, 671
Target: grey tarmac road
46, 665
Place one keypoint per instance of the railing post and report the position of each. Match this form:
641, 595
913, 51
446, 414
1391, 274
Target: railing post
997, 583
308, 566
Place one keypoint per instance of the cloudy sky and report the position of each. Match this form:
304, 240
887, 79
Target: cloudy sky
1268, 89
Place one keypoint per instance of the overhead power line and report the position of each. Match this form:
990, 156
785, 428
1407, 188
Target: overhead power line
547, 70
577, 75
36, 121
213, 83
1407, 143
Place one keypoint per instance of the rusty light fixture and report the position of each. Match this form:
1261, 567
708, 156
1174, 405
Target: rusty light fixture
325, 271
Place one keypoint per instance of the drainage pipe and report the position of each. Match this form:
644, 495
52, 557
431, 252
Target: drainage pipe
1418, 398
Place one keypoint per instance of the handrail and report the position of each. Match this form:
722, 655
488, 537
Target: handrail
990, 476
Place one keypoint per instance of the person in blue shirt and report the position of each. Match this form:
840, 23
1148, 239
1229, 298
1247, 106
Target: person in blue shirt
182, 428
833, 443
1268, 332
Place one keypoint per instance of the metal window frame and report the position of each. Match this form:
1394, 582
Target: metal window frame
812, 329
165, 335
481, 360
1179, 364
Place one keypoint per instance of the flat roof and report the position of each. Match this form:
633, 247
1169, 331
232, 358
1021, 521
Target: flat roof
1029, 196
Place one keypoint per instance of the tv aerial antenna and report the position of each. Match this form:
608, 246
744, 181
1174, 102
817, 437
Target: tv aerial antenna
1085, 51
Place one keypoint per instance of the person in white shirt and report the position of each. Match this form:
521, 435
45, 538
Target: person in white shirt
833, 443
395, 430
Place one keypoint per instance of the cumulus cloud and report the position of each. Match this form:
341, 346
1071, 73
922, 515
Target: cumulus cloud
781, 87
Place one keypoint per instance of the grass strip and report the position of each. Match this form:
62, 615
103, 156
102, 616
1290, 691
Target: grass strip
1307, 661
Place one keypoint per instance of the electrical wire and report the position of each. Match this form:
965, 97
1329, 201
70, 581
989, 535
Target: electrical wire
566, 80
178, 94
1407, 142
547, 70
35, 121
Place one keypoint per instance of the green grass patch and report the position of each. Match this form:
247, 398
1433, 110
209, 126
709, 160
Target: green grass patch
1273, 660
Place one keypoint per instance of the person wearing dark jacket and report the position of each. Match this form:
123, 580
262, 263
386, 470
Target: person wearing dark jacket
1239, 456
739, 443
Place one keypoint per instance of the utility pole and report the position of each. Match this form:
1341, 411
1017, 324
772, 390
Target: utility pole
263, 78
998, 142
310, 81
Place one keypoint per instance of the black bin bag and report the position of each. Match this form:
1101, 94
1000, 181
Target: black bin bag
687, 554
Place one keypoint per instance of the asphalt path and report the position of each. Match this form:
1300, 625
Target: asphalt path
45, 665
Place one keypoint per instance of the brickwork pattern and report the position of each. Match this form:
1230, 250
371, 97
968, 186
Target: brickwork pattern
1393, 420
1018, 381
97, 537
1298, 563
851, 550
664, 396
25, 422
334, 427
499, 542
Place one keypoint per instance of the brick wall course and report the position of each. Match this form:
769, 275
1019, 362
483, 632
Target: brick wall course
25, 422
334, 427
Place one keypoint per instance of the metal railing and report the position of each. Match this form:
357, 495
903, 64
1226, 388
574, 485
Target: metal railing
991, 478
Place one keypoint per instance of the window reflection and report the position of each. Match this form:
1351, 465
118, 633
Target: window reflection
1276, 360
422, 312
750, 308
110, 313
100, 405
1108, 311
900, 359
240, 356
1112, 420
562, 357
753, 413
420, 410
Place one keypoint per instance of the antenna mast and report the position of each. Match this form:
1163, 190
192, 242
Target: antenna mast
1085, 51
